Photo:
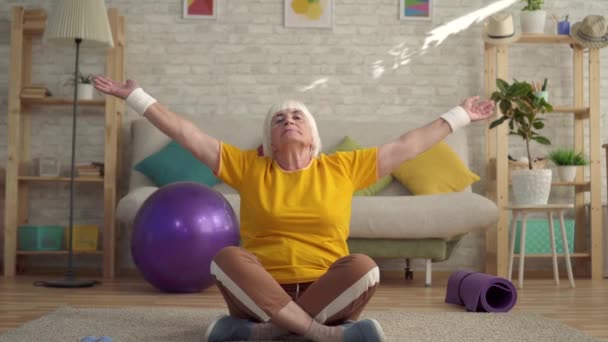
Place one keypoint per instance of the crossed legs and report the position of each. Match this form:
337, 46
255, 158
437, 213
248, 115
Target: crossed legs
311, 310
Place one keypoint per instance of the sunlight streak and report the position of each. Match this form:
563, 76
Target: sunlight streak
403, 55
322, 82
377, 69
439, 34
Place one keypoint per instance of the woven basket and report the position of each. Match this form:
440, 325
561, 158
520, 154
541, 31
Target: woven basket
517, 165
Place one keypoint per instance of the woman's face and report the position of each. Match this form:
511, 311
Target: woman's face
290, 127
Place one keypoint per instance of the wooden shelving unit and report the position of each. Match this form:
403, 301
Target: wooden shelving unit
62, 179
25, 26
51, 101
496, 66
55, 252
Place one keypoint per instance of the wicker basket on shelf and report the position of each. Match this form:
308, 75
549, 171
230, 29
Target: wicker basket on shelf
514, 165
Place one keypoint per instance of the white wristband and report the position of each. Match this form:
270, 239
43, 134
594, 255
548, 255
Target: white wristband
139, 100
457, 118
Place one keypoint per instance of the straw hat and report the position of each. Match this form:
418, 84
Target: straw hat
592, 32
499, 29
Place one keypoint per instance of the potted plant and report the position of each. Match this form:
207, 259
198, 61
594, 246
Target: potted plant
84, 84
85, 87
521, 108
533, 18
567, 161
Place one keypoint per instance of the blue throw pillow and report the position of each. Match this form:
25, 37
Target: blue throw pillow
173, 163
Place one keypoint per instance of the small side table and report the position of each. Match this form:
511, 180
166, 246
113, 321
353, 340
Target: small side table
522, 211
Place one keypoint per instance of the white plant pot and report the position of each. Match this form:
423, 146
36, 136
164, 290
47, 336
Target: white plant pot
533, 21
566, 173
531, 187
85, 91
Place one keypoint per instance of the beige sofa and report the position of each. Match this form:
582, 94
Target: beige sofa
393, 224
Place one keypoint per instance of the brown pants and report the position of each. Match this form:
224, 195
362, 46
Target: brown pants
251, 293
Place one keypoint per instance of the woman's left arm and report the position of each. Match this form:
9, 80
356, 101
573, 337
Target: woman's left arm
416, 141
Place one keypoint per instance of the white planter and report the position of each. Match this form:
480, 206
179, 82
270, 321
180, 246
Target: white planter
566, 173
531, 187
533, 21
85, 91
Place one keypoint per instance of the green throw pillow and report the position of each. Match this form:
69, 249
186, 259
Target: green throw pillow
173, 163
349, 144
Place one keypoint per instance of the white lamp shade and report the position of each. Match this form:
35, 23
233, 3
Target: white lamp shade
84, 19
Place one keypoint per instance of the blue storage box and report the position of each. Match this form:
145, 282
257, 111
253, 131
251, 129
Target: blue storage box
40, 238
538, 240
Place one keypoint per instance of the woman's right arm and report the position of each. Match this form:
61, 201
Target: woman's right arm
203, 146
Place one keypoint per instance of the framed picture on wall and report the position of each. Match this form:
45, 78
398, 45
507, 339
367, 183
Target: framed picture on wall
416, 9
309, 13
200, 9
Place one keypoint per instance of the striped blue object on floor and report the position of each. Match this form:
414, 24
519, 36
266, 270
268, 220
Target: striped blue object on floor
96, 339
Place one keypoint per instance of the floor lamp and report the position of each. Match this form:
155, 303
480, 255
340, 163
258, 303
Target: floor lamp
75, 23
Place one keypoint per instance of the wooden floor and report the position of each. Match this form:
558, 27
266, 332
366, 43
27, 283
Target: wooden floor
584, 308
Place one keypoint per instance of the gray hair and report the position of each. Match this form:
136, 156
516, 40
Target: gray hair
290, 104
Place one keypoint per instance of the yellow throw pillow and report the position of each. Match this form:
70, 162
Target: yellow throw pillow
435, 171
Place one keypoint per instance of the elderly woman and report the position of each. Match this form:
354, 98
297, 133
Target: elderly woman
293, 273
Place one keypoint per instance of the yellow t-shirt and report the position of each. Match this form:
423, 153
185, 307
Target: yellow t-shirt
296, 222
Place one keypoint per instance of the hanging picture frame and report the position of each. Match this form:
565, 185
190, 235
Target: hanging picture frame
199, 9
309, 13
416, 9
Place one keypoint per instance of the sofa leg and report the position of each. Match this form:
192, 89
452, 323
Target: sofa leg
427, 282
409, 275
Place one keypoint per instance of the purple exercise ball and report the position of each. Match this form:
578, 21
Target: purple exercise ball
177, 232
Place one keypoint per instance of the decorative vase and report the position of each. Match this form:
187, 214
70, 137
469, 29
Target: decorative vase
85, 91
531, 187
533, 21
566, 173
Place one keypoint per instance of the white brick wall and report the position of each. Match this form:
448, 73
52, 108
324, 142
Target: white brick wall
246, 59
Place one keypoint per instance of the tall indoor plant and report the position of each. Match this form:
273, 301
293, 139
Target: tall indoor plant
533, 18
521, 108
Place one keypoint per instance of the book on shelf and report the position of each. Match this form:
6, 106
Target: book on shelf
35, 91
35, 14
90, 169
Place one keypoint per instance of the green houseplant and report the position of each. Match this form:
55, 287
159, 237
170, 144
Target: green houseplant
532, 5
567, 162
85, 87
533, 17
85, 79
567, 157
84, 84
81, 79
521, 109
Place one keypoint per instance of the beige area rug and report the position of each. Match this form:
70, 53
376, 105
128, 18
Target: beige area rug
181, 324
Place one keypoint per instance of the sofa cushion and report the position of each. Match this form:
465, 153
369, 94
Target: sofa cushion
173, 163
129, 205
403, 217
419, 217
224, 189
434, 249
413, 217
349, 144
437, 170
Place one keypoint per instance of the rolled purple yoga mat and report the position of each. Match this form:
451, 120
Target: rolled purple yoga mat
480, 292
